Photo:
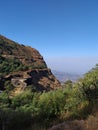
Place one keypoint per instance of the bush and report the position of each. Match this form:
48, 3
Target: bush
10, 65
51, 104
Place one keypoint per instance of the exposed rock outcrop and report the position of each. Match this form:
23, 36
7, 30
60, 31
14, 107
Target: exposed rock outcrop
23, 66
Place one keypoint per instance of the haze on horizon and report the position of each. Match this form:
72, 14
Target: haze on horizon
64, 31
72, 65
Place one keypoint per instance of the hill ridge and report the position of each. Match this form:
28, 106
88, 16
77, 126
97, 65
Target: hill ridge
18, 61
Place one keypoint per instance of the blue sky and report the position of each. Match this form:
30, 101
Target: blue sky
64, 31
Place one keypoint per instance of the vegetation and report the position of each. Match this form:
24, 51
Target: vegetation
15, 57
30, 110
35, 111
37, 66
8, 65
5, 47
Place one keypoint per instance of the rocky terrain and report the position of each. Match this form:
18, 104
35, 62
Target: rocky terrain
23, 74
22, 66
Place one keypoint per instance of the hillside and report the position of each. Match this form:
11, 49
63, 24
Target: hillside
68, 108
30, 98
23, 66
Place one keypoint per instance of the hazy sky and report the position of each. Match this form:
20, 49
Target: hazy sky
64, 31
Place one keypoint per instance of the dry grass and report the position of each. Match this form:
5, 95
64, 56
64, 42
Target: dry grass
92, 123
70, 125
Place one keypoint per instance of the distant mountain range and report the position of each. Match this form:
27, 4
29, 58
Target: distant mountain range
63, 76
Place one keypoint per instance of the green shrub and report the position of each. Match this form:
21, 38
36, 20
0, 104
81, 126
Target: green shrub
10, 65
71, 102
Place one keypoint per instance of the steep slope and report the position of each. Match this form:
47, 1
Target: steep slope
22, 66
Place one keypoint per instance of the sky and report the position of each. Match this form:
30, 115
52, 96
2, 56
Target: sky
65, 32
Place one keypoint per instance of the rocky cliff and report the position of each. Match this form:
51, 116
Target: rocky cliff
22, 67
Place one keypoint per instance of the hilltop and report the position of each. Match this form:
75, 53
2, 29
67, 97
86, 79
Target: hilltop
22, 66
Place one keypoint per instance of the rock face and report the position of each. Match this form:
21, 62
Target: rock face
23, 66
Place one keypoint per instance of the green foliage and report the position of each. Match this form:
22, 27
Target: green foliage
51, 104
10, 65
8, 86
89, 84
4, 102
46, 106
37, 66
23, 99
32, 108
68, 83
6, 47
76, 103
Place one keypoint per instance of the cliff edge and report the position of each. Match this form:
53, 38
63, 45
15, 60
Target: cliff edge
22, 67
